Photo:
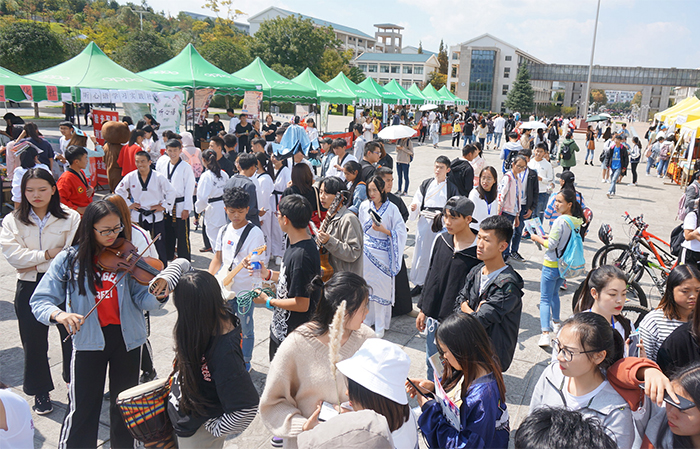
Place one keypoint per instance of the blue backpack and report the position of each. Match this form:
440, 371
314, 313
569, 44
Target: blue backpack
572, 263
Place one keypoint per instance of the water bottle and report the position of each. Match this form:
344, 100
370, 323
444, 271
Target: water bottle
257, 270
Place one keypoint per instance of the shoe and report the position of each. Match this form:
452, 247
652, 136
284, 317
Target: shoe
415, 291
42, 404
526, 236
413, 313
277, 442
380, 334
106, 396
517, 256
555, 328
544, 341
609, 195
206, 250
405, 193
147, 376
603, 180
563, 286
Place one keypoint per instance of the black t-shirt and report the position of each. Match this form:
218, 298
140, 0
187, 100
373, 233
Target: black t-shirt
468, 129
270, 137
679, 350
243, 142
367, 170
227, 166
224, 383
300, 264
215, 128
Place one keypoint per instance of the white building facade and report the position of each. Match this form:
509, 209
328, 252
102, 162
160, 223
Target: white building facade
405, 68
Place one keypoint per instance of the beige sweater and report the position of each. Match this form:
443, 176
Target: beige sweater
300, 376
345, 242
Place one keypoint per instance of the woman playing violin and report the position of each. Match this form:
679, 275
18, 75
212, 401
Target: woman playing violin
113, 335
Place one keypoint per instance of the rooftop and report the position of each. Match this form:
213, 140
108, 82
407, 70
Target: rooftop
523, 53
394, 57
198, 16
389, 25
319, 22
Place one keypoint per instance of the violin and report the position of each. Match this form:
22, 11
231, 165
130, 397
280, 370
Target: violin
123, 256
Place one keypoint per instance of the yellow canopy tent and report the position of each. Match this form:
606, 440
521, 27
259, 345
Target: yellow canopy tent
685, 115
683, 105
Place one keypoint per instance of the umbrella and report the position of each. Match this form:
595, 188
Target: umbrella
395, 132
533, 125
598, 118
427, 107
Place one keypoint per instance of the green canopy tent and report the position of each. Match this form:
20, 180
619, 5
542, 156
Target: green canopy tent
362, 96
14, 87
396, 88
189, 70
449, 96
94, 78
324, 92
370, 85
431, 95
275, 87
417, 92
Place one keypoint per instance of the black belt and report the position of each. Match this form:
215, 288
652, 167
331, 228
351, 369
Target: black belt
143, 213
432, 209
179, 199
214, 200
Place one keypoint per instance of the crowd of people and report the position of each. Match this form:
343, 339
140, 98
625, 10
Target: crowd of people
313, 229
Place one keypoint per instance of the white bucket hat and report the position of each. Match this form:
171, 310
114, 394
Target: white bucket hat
381, 367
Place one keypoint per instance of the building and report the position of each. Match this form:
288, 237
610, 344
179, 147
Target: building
240, 25
483, 69
405, 68
389, 36
350, 38
619, 96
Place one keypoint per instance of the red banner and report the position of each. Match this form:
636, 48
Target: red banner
98, 170
2, 93
349, 137
51, 93
27, 92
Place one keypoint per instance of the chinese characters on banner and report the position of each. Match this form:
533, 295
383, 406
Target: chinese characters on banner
251, 103
27, 92
2, 93
51, 93
202, 98
98, 170
167, 110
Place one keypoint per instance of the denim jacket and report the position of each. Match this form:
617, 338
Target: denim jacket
60, 284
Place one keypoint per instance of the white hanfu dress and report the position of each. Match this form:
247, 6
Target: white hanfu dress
435, 199
210, 187
282, 177
266, 201
382, 256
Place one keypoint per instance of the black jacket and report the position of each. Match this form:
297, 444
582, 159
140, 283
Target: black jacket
461, 175
446, 276
400, 204
680, 349
501, 306
532, 190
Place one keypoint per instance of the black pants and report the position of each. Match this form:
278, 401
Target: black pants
177, 234
146, 350
154, 229
690, 257
274, 346
403, 302
205, 238
423, 133
34, 336
634, 171
455, 138
89, 369
565, 169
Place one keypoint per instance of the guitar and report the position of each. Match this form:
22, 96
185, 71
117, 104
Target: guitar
226, 279
326, 268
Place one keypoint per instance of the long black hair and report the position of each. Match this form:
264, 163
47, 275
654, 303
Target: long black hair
153, 123
689, 379
134, 134
264, 161
355, 167
209, 156
595, 335
491, 195
88, 248
197, 322
32, 130
54, 208
598, 279
678, 275
379, 183
342, 286
149, 129
362, 397
570, 197
27, 159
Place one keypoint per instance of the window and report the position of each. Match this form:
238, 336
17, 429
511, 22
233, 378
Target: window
481, 78
454, 71
506, 72
509, 58
395, 69
384, 68
359, 41
372, 68
455, 55
505, 89
418, 69
362, 67
383, 82
408, 69
453, 87
406, 84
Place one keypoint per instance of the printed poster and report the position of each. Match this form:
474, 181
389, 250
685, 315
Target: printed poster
252, 100
167, 110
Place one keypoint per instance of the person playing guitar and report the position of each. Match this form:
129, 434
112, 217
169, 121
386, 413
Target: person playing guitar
341, 232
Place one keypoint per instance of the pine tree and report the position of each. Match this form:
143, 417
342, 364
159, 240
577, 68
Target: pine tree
521, 96
420, 47
442, 58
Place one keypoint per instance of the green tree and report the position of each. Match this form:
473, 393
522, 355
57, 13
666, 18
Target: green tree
442, 58
521, 96
293, 42
598, 97
420, 47
286, 71
227, 54
143, 50
27, 47
437, 79
333, 62
355, 75
637, 99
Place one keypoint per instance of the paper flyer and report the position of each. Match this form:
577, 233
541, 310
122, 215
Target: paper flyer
534, 226
449, 409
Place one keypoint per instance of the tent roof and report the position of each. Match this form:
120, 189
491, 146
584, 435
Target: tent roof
417, 92
189, 70
92, 69
388, 97
275, 87
323, 90
661, 116
12, 87
448, 95
394, 86
431, 95
345, 85
693, 124
689, 112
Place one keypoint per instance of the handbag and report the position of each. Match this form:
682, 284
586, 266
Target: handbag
591, 145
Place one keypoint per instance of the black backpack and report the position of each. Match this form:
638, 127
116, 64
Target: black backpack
565, 152
677, 239
508, 162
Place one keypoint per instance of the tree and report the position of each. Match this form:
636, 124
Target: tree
442, 58
286, 71
27, 47
333, 62
420, 47
356, 75
227, 54
292, 41
143, 50
598, 97
437, 79
521, 96
637, 99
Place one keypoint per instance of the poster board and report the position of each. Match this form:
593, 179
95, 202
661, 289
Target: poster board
98, 170
252, 102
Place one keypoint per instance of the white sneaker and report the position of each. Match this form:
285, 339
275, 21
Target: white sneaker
544, 341
555, 328
380, 334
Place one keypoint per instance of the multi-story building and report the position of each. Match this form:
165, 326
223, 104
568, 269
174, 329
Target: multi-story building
619, 96
482, 70
406, 68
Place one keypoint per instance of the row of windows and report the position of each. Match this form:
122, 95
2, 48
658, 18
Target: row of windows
627, 75
393, 68
481, 78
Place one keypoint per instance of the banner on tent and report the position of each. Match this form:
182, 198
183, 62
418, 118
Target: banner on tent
167, 111
252, 100
325, 108
200, 100
116, 96
98, 170
349, 137
2, 93
27, 92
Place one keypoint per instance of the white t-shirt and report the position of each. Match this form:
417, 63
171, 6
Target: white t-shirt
226, 242
332, 171
486, 279
367, 134
482, 209
20, 426
691, 223
232, 124
578, 402
544, 171
499, 125
406, 436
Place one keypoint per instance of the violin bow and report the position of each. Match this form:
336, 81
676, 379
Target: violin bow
119, 279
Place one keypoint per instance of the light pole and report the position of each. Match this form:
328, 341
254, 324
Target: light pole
140, 13
590, 66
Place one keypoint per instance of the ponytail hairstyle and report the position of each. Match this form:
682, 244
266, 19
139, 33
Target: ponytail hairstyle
134, 135
32, 131
342, 286
209, 156
595, 334
570, 197
149, 129
599, 279
689, 379
353, 166
264, 161
27, 157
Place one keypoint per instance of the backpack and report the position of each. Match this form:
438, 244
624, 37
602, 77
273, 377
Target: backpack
572, 263
508, 162
665, 151
565, 151
682, 203
553, 135
677, 239
510, 125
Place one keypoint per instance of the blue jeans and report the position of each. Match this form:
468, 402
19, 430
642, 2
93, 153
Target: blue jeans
402, 170
468, 139
662, 166
511, 218
431, 325
549, 297
489, 137
482, 142
542, 200
247, 329
589, 153
518, 232
613, 180
497, 139
650, 163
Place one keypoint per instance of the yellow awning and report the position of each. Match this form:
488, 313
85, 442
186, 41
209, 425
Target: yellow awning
685, 115
682, 105
692, 125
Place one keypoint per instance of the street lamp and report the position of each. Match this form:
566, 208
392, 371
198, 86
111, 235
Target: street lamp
590, 66
140, 13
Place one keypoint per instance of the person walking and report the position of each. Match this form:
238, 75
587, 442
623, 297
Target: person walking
590, 145
619, 159
567, 152
404, 157
635, 156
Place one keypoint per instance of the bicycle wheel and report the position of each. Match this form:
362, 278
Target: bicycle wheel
635, 294
619, 255
635, 313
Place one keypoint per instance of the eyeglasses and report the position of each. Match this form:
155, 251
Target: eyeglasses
568, 353
108, 232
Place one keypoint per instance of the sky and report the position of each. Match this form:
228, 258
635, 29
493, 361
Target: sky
646, 33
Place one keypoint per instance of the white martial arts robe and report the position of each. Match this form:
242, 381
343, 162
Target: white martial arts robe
333, 171
210, 186
435, 199
282, 177
266, 201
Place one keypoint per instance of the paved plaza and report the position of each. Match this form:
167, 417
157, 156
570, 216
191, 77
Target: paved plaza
657, 200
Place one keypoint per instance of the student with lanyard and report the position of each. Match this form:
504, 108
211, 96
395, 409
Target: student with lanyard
177, 219
340, 159
210, 198
234, 243
113, 335
73, 185
148, 194
266, 185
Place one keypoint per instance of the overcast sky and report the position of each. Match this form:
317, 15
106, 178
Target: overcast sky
648, 33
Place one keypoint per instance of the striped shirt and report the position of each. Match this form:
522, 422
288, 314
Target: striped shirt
654, 329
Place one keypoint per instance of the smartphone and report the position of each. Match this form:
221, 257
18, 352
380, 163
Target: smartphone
327, 411
684, 404
632, 350
425, 395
